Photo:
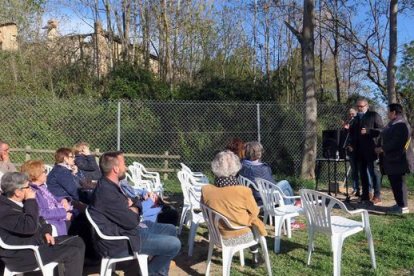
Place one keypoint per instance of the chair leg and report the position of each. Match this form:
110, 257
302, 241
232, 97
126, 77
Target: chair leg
143, 264
191, 237
241, 255
182, 218
263, 245
371, 248
310, 245
337, 255
227, 256
104, 266
289, 228
278, 231
210, 254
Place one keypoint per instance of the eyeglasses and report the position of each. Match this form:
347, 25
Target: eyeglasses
361, 106
24, 188
71, 156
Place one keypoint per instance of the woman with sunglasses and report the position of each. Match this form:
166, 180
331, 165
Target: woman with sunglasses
56, 211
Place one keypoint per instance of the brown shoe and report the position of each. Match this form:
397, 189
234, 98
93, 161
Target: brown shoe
376, 201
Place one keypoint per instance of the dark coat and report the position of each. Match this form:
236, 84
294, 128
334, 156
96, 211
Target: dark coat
87, 164
109, 209
20, 226
364, 145
396, 158
62, 183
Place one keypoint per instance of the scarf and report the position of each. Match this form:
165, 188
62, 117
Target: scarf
226, 181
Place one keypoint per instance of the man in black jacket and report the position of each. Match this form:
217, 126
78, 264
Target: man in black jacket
20, 224
365, 133
115, 214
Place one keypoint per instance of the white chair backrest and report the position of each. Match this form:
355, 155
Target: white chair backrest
247, 182
213, 219
185, 168
194, 197
48, 168
270, 193
318, 207
184, 182
135, 174
99, 232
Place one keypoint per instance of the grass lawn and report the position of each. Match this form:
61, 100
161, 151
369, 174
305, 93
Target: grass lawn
393, 242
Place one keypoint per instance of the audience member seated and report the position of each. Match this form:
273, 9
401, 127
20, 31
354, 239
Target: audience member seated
20, 224
5, 164
115, 214
64, 179
236, 145
253, 167
56, 211
233, 201
86, 162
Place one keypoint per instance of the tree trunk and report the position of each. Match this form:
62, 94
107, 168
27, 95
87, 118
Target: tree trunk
307, 41
392, 95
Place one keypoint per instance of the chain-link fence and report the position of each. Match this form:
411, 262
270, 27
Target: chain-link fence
193, 130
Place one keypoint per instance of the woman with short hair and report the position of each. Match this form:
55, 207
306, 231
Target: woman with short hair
56, 211
233, 201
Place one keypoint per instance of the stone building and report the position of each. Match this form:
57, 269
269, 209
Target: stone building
8, 37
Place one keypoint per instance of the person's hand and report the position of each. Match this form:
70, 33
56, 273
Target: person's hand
86, 150
74, 169
4, 156
29, 193
363, 131
350, 148
134, 209
65, 204
130, 203
68, 216
153, 197
379, 150
49, 239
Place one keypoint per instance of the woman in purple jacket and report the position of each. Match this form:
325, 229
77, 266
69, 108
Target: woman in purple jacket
56, 211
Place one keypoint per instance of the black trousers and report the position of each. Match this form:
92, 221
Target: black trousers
70, 253
399, 189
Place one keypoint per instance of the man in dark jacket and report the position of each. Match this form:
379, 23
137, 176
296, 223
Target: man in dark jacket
365, 133
20, 225
115, 214
398, 156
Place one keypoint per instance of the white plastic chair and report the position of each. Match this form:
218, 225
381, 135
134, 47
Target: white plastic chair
47, 269
136, 179
198, 175
108, 263
318, 210
48, 168
196, 217
272, 196
149, 177
214, 219
187, 180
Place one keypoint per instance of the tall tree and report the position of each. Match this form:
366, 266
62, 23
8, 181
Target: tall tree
392, 56
307, 42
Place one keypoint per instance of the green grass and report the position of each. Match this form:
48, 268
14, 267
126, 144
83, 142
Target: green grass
393, 242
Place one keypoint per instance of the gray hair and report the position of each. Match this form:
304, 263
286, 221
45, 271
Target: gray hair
11, 181
225, 164
254, 151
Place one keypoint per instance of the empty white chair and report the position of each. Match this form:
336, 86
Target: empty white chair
108, 263
196, 217
153, 178
318, 210
198, 175
47, 269
213, 220
272, 196
136, 178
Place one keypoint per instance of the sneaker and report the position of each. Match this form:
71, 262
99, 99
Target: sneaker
398, 210
405, 210
297, 225
376, 201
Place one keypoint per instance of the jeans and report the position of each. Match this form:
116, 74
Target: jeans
160, 241
370, 173
287, 190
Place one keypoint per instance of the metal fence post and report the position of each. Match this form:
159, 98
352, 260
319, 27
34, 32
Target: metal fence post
258, 122
118, 134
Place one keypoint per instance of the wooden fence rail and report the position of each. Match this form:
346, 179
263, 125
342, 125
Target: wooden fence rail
27, 150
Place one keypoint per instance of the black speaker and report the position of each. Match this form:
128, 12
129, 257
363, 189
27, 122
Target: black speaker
333, 143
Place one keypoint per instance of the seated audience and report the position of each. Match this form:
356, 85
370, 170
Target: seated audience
20, 224
5, 164
236, 145
64, 180
253, 167
56, 211
86, 162
116, 214
233, 201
